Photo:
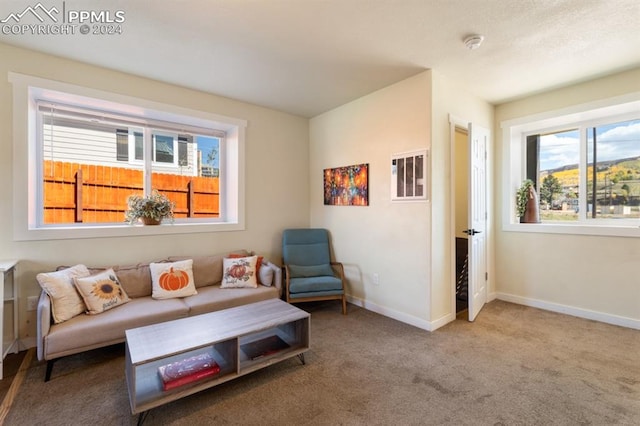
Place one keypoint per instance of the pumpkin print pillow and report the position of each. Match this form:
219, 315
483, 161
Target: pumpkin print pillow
175, 279
101, 291
239, 272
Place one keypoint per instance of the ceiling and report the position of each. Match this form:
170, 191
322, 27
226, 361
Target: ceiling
308, 56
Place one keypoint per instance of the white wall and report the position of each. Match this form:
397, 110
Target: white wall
390, 239
276, 177
590, 276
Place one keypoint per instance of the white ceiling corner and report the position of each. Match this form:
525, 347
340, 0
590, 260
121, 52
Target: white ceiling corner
305, 57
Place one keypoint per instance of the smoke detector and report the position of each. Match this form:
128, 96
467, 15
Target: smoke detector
473, 41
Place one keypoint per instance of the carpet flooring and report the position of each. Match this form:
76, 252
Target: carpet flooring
514, 365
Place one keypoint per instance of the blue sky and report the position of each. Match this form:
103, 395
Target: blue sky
206, 144
615, 141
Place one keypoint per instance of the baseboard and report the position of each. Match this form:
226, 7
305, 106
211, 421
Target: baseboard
571, 310
400, 316
26, 343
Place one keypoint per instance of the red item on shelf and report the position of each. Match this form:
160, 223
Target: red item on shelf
207, 372
186, 367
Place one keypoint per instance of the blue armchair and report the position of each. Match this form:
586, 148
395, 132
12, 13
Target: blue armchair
309, 272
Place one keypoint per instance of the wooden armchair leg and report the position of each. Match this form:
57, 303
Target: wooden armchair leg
344, 305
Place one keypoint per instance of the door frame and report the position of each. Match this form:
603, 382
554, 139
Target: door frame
457, 122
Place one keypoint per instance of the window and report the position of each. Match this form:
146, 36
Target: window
613, 170
86, 155
585, 167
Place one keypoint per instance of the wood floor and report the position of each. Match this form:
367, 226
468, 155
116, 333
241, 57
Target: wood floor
11, 365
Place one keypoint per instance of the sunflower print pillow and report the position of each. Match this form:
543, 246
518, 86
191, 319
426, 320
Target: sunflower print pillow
101, 291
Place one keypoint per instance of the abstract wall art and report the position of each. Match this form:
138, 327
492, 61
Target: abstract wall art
347, 186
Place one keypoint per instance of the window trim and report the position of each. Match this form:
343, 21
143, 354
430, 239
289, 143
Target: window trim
26, 89
514, 132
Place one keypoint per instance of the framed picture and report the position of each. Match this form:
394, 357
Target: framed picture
409, 176
347, 186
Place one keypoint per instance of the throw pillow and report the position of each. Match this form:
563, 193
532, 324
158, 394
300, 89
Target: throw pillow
66, 303
265, 275
101, 291
298, 271
135, 279
258, 263
172, 279
239, 272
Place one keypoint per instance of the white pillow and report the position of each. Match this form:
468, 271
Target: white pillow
66, 302
266, 275
174, 279
239, 272
101, 291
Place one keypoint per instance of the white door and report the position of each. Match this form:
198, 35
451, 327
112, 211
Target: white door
478, 139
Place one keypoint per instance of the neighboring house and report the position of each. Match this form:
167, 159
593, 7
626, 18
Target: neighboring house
116, 146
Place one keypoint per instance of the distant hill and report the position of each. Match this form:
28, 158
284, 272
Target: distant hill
626, 169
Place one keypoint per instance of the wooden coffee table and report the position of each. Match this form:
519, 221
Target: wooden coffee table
240, 340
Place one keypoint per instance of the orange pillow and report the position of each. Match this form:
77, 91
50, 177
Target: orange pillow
258, 263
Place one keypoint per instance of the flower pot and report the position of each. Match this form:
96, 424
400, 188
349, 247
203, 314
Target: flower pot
532, 212
149, 221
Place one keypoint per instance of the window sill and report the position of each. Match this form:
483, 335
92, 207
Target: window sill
120, 230
575, 229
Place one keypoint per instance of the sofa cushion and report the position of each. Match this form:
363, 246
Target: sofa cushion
172, 279
214, 298
207, 270
135, 279
66, 302
239, 272
85, 332
101, 291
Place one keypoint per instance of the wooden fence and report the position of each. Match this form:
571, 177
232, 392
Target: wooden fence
77, 193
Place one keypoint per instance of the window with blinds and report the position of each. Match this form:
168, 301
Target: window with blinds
92, 161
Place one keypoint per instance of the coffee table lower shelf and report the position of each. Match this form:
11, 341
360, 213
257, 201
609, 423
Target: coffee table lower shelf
240, 340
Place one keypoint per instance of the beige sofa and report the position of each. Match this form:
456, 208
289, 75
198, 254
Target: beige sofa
85, 332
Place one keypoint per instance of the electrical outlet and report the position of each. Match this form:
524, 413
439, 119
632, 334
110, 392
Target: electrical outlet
32, 303
376, 278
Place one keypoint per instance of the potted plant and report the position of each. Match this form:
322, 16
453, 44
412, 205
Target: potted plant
527, 205
149, 210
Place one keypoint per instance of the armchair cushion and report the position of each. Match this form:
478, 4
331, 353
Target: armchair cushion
315, 284
305, 247
300, 271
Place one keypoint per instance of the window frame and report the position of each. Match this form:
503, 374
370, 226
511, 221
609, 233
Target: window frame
515, 132
28, 89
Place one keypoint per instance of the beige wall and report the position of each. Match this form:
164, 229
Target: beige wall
390, 239
590, 276
408, 244
276, 177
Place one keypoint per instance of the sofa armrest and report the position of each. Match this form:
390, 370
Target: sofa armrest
43, 322
277, 275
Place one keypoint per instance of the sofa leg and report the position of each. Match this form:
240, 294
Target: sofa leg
47, 374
